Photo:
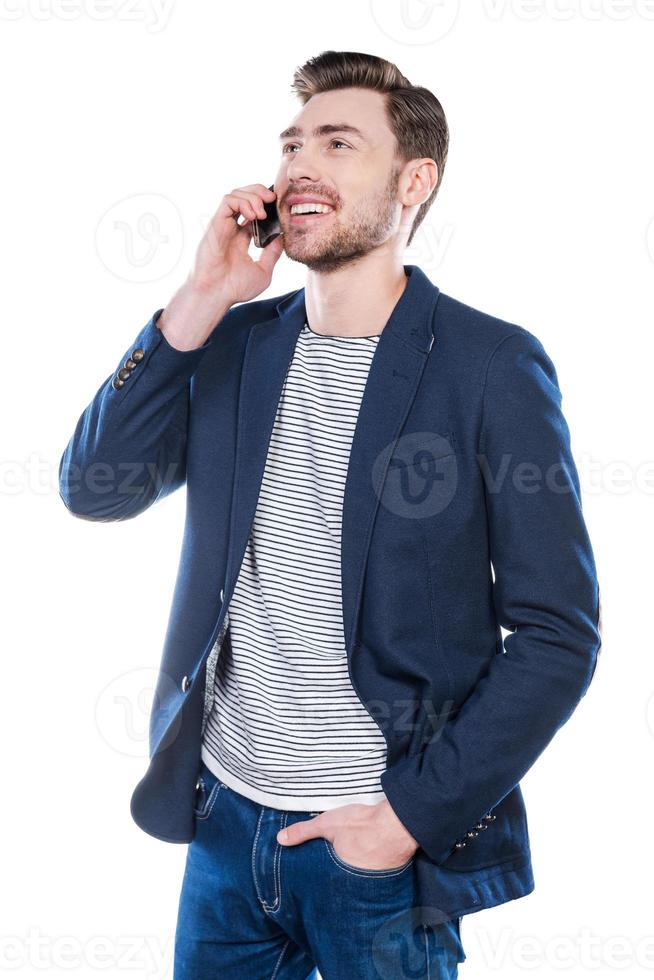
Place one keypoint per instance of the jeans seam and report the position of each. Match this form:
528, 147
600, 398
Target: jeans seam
254, 848
279, 960
362, 872
277, 870
205, 812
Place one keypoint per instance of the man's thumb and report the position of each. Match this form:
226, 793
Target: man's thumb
298, 832
271, 253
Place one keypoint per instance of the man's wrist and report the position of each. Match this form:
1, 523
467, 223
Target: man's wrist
191, 316
388, 815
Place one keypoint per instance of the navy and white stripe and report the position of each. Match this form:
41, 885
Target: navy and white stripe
286, 727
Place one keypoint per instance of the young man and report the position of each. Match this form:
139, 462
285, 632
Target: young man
379, 478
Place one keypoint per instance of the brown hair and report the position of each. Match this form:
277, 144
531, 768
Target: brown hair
415, 115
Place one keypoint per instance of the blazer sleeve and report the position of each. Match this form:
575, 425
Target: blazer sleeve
129, 445
545, 593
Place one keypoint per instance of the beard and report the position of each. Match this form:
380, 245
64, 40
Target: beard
368, 227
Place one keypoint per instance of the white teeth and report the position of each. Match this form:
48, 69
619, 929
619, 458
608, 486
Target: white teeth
311, 208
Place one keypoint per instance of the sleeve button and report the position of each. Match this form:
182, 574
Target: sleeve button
117, 382
186, 682
138, 354
124, 374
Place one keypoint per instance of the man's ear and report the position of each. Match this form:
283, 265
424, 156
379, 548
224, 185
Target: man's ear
422, 177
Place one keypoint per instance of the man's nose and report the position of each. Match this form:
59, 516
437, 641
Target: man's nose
303, 165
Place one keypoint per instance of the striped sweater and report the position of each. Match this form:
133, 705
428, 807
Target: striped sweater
286, 728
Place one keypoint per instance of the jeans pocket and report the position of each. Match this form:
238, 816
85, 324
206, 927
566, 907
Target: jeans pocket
207, 789
366, 872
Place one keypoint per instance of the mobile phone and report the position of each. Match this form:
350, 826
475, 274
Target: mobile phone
265, 229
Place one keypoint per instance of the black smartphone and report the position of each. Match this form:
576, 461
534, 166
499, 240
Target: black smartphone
265, 229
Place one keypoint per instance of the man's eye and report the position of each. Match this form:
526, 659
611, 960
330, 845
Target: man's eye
291, 146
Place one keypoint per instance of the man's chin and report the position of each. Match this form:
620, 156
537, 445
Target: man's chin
318, 263
322, 260
305, 256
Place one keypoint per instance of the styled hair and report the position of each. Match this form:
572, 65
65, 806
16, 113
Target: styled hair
415, 115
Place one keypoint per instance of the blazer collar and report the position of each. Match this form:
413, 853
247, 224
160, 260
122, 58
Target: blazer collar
411, 319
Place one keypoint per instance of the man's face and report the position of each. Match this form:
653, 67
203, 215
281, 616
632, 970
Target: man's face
354, 172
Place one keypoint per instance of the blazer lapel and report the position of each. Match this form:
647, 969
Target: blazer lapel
393, 379
267, 357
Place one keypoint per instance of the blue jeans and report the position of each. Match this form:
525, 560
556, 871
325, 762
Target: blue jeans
252, 908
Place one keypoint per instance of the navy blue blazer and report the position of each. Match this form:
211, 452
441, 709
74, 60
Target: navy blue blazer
461, 515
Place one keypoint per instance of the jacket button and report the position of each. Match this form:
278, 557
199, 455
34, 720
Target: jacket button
138, 354
117, 382
130, 364
124, 374
222, 595
186, 683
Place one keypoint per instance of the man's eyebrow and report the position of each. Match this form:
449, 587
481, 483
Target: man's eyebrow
324, 130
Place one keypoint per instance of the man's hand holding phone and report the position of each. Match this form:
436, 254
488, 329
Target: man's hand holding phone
223, 273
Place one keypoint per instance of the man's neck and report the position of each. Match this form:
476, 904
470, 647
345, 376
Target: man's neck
356, 300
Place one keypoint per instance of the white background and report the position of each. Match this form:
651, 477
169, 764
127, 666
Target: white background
545, 218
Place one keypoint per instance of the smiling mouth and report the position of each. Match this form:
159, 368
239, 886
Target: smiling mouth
301, 219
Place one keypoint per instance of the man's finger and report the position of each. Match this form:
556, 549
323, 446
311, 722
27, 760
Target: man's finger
271, 254
300, 831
